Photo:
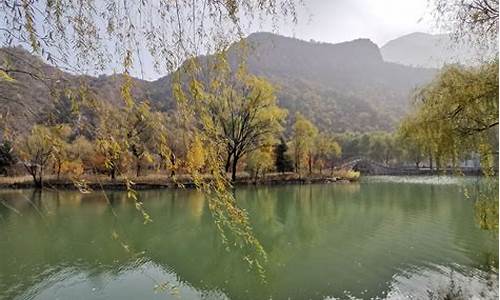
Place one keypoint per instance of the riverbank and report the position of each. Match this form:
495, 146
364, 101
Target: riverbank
157, 181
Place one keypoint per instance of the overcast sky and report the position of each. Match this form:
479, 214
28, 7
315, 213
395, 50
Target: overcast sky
379, 20
337, 21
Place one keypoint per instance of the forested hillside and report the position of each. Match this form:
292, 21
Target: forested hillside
341, 87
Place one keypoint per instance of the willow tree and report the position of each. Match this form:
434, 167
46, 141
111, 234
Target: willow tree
304, 135
99, 35
205, 107
455, 115
473, 20
242, 109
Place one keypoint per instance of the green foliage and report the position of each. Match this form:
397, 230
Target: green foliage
382, 147
457, 114
283, 162
260, 161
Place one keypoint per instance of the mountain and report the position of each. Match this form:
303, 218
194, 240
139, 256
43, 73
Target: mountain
345, 86
428, 50
28, 98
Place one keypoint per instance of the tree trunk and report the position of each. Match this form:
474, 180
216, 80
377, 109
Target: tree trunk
59, 170
138, 168
36, 180
173, 161
297, 162
310, 163
233, 171
39, 183
113, 173
228, 162
430, 161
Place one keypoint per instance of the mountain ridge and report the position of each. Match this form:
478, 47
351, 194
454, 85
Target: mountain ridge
342, 87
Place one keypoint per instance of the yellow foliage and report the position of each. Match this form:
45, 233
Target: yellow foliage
195, 158
347, 174
72, 168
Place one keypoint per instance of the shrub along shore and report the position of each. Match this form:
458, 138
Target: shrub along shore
159, 181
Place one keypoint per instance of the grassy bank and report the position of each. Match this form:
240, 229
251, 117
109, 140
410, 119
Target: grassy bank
158, 181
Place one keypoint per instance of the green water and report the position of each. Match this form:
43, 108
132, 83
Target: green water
389, 237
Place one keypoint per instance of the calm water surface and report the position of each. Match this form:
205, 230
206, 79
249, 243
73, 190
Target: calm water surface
386, 237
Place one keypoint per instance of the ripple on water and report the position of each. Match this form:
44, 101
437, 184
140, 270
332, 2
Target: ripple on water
438, 282
434, 180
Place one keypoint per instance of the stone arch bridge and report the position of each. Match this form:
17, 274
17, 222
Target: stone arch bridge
368, 167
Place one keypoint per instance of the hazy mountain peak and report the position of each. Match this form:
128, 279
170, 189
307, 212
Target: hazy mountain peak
428, 50
291, 53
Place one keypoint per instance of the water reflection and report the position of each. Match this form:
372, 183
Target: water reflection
322, 240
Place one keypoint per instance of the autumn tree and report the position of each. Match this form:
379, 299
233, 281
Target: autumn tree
195, 157
144, 133
260, 161
326, 151
304, 135
111, 140
239, 110
35, 151
59, 139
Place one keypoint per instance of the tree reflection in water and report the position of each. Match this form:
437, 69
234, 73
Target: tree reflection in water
321, 240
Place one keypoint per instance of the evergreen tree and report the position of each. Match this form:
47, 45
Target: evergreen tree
7, 157
283, 161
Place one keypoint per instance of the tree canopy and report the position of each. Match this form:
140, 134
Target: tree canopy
457, 113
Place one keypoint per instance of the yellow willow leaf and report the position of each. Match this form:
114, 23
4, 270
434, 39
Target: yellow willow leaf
6, 77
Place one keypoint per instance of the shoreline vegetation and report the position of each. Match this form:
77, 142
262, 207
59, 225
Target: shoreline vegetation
164, 181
